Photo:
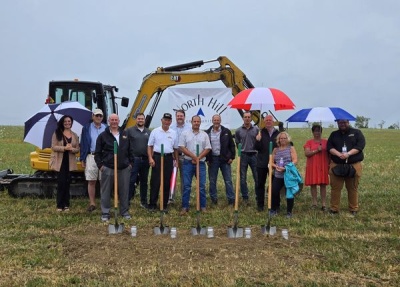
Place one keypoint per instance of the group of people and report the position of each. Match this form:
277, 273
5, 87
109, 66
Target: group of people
343, 147
190, 149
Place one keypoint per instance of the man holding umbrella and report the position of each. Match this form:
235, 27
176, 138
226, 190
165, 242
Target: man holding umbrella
264, 137
345, 145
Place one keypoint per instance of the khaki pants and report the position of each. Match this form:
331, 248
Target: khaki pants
351, 184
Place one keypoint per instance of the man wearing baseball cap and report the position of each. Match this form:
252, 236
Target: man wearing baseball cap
167, 138
90, 132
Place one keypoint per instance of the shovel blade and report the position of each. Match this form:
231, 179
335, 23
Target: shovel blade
199, 230
159, 230
265, 229
270, 230
115, 228
235, 232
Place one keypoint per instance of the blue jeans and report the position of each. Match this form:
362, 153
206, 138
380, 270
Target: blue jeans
245, 161
140, 170
189, 170
216, 164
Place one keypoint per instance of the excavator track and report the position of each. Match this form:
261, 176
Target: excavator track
44, 185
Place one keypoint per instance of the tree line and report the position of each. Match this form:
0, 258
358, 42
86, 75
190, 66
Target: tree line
362, 123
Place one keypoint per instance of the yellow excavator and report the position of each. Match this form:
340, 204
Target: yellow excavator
154, 84
43, 182
96, 95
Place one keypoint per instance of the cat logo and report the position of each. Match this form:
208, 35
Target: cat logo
175, 78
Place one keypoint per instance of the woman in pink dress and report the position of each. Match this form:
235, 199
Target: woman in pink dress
317, 166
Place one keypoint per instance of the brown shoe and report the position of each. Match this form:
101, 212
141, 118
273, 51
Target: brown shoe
184, 211
91, 208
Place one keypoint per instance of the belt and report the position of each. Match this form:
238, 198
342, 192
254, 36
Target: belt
92, 153
142, 156
249, 152
216, 155
165, 154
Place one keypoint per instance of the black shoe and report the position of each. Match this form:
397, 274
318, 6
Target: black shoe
333, 212
214, 201
260, 208
323, 208
144, 205
273, 213
151, 208
354, 213
231, 202
246, 202
105, 217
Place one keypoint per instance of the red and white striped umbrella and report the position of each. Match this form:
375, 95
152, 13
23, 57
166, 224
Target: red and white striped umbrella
262, 99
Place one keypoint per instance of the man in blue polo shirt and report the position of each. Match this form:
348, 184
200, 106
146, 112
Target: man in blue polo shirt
90, 132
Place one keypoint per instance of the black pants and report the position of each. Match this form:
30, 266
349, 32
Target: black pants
155, 180
262, 174
63, 182
277, 184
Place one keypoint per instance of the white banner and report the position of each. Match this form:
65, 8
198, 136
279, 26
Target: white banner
204, 102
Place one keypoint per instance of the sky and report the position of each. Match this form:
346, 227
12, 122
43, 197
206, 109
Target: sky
320, 53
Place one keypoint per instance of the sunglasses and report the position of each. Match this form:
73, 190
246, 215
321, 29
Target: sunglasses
99, 116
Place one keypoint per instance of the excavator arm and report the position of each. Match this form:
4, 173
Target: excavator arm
154, 84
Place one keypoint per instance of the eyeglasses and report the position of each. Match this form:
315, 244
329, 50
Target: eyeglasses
99, 116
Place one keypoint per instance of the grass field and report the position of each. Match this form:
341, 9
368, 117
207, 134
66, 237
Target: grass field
40, 247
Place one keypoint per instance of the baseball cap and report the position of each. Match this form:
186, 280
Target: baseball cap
167, 116
97, 112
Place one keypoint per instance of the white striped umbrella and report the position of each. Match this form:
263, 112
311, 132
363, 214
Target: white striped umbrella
262, 99
321, 114
40, 127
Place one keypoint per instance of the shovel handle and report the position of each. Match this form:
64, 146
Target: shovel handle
162, 179
115, 174
197, 178
238, 177
270, 176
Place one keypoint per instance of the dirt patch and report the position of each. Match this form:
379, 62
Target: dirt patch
184, 257
93, 255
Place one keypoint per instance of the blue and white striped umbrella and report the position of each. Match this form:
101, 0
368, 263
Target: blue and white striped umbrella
321, 114
40, 127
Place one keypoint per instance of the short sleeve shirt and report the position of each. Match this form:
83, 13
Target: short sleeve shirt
190, 140
168, 138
